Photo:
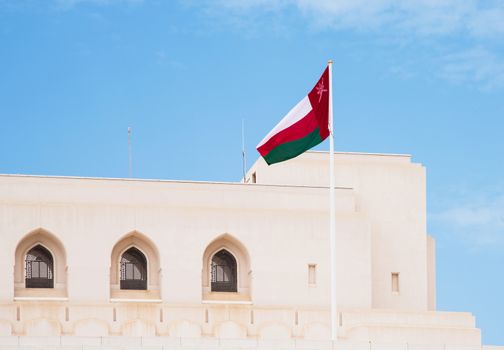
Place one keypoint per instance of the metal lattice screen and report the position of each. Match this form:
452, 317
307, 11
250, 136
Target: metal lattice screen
39, 268
223, 272
133, 270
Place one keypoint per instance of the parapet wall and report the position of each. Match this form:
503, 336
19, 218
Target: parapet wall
233, 321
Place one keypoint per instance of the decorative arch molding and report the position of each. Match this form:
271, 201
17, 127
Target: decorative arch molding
317, 331
230, 330
185, 329
42, 327
145, 246
51, 243
91, 327
138, 328
275, 331
237, 250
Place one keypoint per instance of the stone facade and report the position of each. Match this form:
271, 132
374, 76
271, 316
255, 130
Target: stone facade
275, 227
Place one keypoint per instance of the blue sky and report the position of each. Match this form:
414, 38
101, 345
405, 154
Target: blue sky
424, 77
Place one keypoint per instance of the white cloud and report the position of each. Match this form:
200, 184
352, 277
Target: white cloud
474, 66
477, 220
424, 17
487, 22
247, 5
67, 4
477, 27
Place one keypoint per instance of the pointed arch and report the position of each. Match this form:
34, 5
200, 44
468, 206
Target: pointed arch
233, 275
40, 262
133, 273
223, 276
135, 267
39, 268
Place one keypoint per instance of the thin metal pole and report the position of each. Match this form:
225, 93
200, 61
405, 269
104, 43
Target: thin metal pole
244, 156
332, 215
130, 156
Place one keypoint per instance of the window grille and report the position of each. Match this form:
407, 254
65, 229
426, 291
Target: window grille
133, 270
39, 268
223, 272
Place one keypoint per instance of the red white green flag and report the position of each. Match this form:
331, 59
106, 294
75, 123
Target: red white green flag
305, 126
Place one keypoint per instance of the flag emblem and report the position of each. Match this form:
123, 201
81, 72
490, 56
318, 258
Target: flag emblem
305, 126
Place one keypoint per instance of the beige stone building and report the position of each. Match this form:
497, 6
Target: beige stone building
247, 262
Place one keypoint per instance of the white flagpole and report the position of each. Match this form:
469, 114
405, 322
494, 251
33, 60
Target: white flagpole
332, 215
244, 155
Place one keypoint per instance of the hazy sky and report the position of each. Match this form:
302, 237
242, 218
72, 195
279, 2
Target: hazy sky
423, 77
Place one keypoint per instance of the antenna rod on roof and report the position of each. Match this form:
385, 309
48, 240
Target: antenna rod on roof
130, 156
244, 156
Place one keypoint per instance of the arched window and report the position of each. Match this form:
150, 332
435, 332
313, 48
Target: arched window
223, 272
135, 267
133, 270
39, 268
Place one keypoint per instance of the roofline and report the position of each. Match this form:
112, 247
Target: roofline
365, 153
253, 167
66, 177
210, 182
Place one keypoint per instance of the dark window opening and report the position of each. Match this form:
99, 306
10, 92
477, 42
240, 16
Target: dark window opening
133, 270
39, 268
223, 272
